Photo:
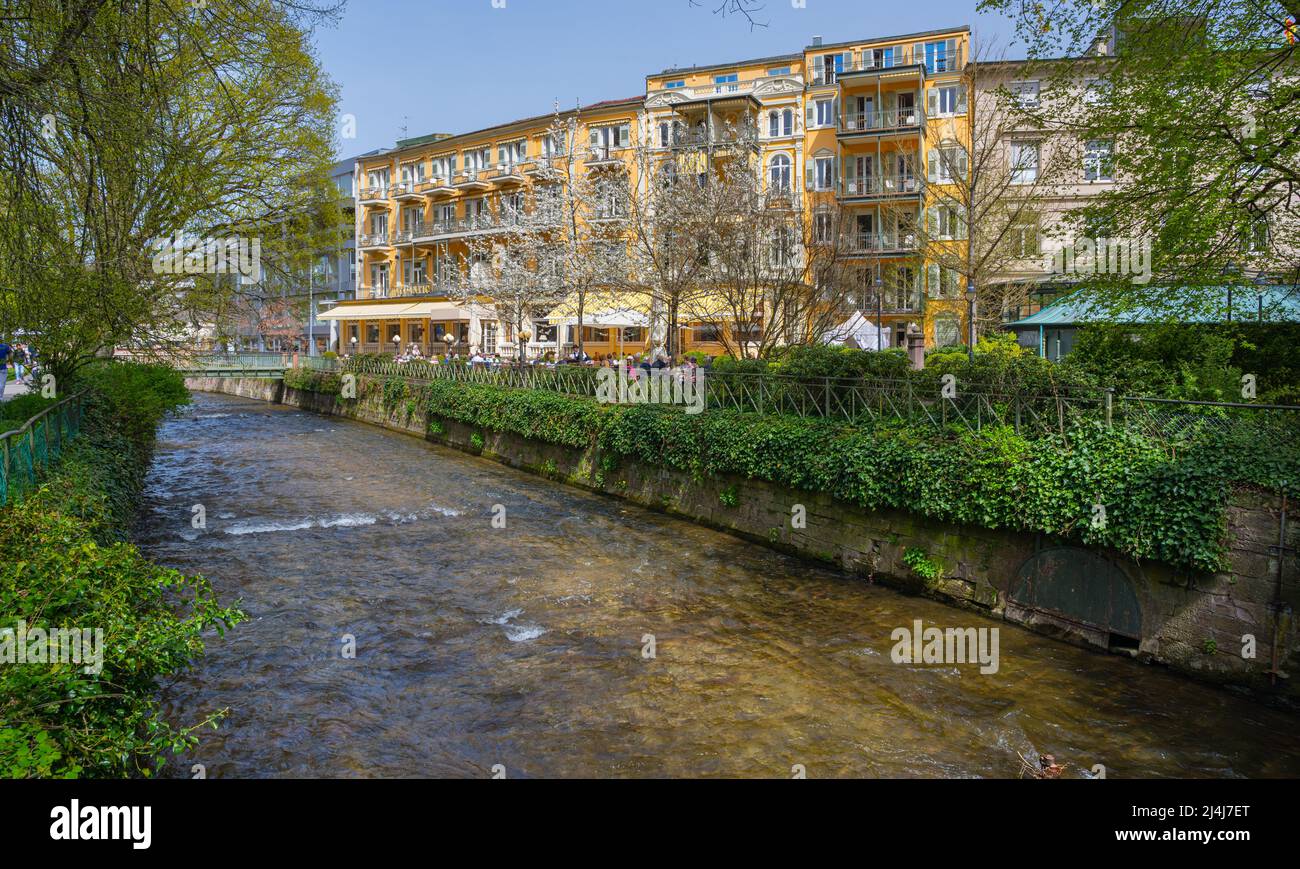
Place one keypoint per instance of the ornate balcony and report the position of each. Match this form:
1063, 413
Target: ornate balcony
437, 187
406, 191
506, 174
603, 156
472, 180
373, 196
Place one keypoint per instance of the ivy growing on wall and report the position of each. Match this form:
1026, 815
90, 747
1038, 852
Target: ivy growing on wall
1158, 505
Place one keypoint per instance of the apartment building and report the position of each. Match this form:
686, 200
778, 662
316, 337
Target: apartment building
423, 204
850, 131
885, 125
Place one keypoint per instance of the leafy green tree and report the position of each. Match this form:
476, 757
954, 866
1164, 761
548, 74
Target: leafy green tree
127, 123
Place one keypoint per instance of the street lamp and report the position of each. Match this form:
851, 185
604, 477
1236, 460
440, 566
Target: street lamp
397, 345
524, 335
354, 345
311, 310
970, 321
880, 312
451, 342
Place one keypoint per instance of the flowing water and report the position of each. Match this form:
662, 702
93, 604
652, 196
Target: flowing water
526, 646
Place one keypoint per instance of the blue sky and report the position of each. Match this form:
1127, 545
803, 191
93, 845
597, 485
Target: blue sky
459, 65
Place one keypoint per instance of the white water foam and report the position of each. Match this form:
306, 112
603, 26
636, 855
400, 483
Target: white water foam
349, 520
343, 520
523, 633
267, 527
503, 618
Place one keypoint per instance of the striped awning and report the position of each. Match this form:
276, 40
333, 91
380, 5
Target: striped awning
441, 311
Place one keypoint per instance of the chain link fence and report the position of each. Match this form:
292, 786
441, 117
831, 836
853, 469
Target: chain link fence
1176, 422
33, 446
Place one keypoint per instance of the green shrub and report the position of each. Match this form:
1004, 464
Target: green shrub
309, 380
65, 563
1203, 362
842, 362
922, 564
20, 408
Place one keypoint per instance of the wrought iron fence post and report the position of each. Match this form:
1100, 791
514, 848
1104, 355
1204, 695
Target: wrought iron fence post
1016, 399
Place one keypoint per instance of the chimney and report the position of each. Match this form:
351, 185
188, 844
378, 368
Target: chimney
817, 41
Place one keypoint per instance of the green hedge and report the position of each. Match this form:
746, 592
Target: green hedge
65, 563
1157, 506
309, 380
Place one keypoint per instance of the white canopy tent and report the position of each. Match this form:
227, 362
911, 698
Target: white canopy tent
858, 332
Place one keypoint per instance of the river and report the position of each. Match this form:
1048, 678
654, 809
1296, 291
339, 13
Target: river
593, 638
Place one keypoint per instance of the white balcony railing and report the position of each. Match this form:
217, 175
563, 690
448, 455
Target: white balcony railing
883, 185
888, 120
861, 243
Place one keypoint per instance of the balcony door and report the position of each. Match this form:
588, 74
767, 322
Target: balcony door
860, 171
905, 168
906, 105
379, 279
865, 224
412, 219
861, 117
414, 271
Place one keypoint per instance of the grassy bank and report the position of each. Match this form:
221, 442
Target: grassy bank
65, 563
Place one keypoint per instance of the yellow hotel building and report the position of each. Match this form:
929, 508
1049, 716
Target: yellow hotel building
851, 130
